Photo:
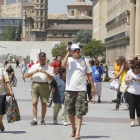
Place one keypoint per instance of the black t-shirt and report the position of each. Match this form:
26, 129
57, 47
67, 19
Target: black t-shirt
9, 71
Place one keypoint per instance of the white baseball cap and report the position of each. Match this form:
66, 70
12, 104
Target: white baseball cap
75, 46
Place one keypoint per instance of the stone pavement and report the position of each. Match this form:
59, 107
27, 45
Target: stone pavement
101, 123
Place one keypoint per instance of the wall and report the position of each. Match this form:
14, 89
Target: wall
24, 48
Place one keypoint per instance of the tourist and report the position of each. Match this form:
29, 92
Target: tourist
58, 89
121, 75
42, 74
3, 78
133, 91
24, 69
76, 87
98, 77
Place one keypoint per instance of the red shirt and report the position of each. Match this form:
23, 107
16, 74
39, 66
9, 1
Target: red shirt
31, 64
56, 67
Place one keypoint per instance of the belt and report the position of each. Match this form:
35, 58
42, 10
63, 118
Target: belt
41, 82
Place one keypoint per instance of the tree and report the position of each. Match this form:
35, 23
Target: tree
13, 34
83, 36
6, 34
19, 32
94, 49
59, 49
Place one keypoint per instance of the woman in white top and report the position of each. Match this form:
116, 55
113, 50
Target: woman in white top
133, 78
3, 78
24, 69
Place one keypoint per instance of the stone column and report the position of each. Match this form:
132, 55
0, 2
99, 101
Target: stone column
132, 28
137, 29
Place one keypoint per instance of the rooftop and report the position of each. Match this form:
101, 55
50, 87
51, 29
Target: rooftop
80, 4
71, 27
66, 17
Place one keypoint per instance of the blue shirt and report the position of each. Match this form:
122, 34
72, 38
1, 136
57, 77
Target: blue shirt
97, 73
59, 85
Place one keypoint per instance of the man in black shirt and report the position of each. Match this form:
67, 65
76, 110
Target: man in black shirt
10, 72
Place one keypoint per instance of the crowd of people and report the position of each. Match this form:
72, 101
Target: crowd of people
71, 80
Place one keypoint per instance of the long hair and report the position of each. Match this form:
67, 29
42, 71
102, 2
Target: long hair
122, 61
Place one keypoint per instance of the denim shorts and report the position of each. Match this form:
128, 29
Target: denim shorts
2, 104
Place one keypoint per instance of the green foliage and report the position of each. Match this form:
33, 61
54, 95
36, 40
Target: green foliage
19, 32
7, 34
83, 36
94, 49
13, 34
59, 49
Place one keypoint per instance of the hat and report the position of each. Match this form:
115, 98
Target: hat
74, 47
42, 55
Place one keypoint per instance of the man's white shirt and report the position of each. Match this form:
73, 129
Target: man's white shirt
39, 76
76, 74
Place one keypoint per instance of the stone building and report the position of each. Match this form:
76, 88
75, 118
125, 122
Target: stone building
35, 20
60, 27
13, 8
99, 19
1, 3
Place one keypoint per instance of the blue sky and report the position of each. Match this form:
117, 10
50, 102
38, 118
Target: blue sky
60, 6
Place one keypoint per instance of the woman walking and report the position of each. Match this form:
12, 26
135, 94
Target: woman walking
3, 78
58, 88
24, 69
133, 92
121, 75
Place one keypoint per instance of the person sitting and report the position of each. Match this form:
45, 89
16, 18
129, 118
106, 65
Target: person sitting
10, 72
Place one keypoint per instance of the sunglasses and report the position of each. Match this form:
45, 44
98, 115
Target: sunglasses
136, 68
76, 50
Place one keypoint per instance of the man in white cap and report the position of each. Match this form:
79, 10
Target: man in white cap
76, 87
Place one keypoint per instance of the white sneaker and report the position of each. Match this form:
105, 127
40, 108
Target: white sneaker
65, 124
55, 121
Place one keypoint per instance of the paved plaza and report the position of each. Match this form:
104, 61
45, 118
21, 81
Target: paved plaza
101, 123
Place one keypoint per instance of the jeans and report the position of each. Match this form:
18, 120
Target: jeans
118, 98
89, 91
134, 104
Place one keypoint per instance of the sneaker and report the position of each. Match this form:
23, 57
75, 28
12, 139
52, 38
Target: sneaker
43, 123
33, 123
99, 101
65, 124
114, 101
55, 121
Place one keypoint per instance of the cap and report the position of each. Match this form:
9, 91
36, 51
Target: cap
75, 46
42, 55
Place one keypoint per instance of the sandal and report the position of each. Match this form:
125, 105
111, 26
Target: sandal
115, 109
73, 133
2, 127
77, 137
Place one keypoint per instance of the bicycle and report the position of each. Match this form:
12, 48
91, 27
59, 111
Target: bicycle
50, 100
13, 81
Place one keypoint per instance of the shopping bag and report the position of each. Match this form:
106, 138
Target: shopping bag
114, 84
12, 110
123, 87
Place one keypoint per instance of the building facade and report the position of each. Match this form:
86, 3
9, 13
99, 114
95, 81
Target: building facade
13, 8
1, 3
99, 13
6, 21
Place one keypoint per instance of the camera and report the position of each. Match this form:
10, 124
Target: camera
69, 48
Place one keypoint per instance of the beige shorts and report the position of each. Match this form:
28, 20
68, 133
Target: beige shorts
98, 87
40, 90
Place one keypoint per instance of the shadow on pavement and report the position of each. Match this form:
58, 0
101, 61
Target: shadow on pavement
84, 137
14, 132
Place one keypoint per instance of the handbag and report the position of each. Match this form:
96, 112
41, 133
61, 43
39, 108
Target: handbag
123, 87
12, 110
114, 84
5, 86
